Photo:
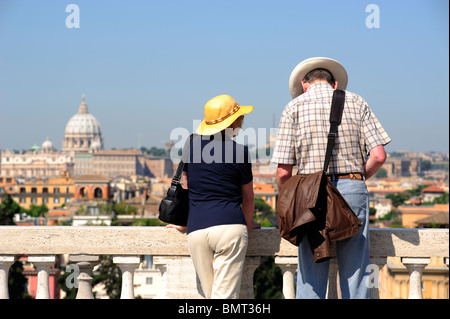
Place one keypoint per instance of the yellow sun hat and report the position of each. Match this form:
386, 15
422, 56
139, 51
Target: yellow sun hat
220, 112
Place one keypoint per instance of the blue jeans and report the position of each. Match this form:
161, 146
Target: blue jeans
352, 253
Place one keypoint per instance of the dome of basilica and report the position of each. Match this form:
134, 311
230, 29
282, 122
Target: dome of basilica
82, 131
47, 145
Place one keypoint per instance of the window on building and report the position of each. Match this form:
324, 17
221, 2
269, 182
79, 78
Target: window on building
98, 193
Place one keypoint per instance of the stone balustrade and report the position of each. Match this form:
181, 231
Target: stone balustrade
170, 253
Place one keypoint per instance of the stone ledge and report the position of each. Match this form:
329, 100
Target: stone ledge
161, 241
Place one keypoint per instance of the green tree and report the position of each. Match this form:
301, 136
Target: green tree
381, 173
154, 151
17, 282
37, 210
110, 275
268, 280
122, 208
443, 199
8, 208
398, 199
71, 293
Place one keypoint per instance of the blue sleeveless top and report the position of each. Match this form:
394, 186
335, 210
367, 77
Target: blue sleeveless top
217, 167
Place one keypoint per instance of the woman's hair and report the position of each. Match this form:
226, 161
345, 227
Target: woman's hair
235, 126
319, 74
237, 123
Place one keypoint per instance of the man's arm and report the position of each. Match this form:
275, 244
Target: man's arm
376, 159
284, 172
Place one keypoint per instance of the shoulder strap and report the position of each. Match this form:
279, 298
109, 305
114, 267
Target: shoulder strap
337, 108
177, 175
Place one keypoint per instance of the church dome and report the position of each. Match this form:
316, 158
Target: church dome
47, 145
83, 122
82, 131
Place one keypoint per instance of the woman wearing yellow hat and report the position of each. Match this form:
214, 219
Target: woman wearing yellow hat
220, 182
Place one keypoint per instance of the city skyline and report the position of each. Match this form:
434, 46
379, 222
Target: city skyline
148, 68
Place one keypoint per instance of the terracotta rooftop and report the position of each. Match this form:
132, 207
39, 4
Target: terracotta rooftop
432, 189
440, 218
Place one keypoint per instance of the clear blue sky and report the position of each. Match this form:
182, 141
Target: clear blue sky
147, 67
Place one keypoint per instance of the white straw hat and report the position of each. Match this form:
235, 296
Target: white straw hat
299, 72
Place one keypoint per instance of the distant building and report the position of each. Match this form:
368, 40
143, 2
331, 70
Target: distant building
402, 166
112, 163
82, 153
412, 216
92, 187
82, 134
42, 162
267, 192
160, 167
430, 193
53, 192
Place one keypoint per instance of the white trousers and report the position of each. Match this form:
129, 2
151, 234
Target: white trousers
218, 253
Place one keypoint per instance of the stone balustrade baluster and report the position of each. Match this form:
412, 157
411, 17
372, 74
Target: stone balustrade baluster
171, 255
172, 269
250, 265
85, 265
162, 267
288, 266
6, 262
333, 280
127, 265
43, 264
415, 268
374, 276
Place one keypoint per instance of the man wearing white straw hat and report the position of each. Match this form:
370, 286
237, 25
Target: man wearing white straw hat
357, 155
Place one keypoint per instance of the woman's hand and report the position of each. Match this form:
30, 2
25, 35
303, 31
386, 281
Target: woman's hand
180, 228
254, 226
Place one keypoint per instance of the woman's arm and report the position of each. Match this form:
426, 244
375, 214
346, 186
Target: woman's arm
248, 205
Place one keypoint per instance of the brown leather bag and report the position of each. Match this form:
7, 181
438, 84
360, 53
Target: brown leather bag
310, 205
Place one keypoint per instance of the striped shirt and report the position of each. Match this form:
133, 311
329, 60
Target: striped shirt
303, 133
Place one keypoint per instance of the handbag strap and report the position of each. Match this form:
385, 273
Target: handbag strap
337, 108
177, 176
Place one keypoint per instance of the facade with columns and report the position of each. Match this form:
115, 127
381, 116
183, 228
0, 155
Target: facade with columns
44, 161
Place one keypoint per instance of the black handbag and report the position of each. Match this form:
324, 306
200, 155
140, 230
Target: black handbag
174, 208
